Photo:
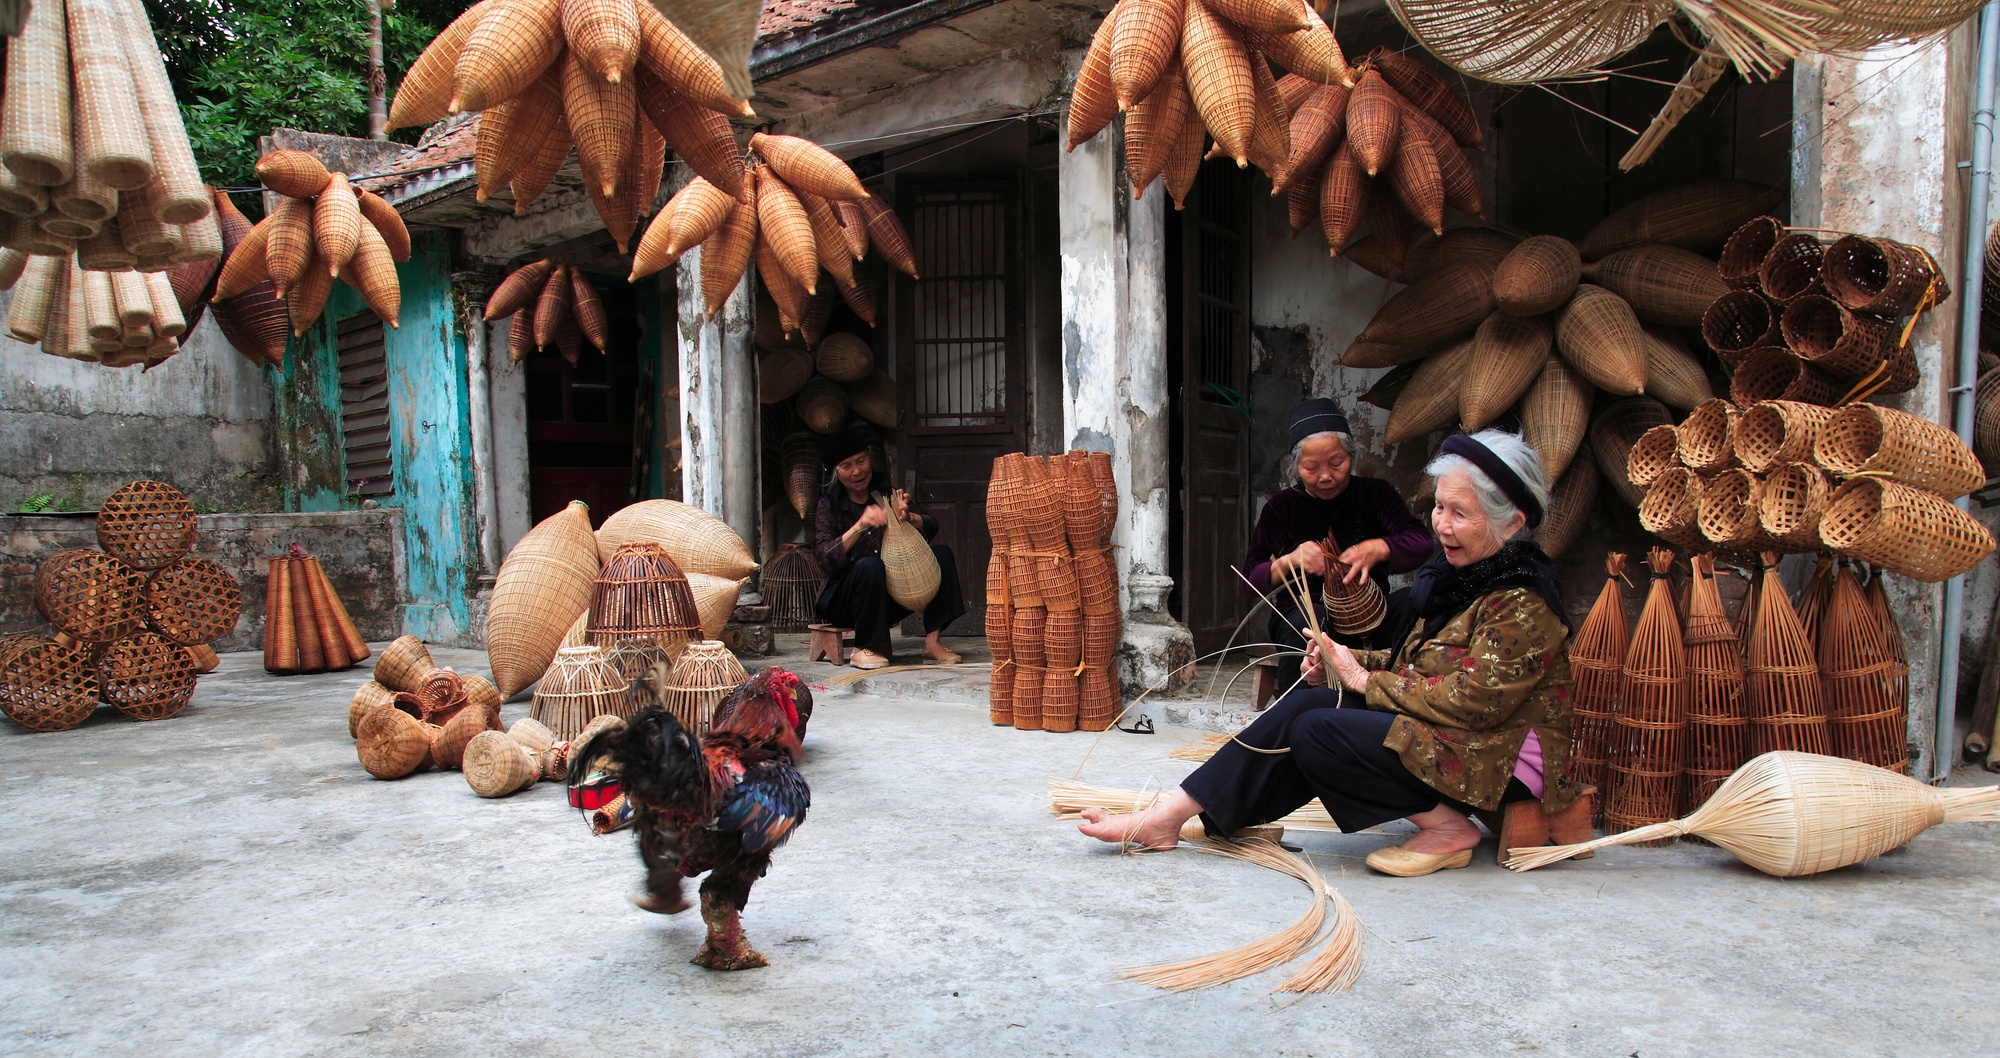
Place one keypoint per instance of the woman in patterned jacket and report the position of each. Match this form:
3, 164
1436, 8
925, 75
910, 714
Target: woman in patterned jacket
1470, 713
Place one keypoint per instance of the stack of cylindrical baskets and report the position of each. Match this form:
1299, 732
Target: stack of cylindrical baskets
1052, 614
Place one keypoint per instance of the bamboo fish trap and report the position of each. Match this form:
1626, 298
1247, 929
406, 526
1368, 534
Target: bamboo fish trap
1791, 814
1595, 659
642, 600
1866, 690
1782, 682
701, 679
908, 565
1718, 725
1649, 744
1352, 609
791, 583
579, 686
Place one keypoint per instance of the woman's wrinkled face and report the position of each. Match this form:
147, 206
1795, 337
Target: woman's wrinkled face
855, 472
1324, 467
1460, 522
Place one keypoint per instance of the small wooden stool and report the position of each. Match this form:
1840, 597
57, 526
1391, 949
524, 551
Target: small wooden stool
1267, 681
1523, 825
828, 643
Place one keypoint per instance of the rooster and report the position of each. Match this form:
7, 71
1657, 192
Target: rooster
720, 803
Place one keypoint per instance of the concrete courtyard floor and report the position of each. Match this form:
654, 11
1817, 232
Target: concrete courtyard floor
231, 882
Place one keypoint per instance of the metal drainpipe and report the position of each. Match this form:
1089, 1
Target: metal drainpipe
1968, 370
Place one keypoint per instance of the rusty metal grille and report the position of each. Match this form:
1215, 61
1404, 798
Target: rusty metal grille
364, 406
1219, 271
960, 333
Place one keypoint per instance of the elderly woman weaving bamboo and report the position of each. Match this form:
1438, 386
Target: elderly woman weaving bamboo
1470, 713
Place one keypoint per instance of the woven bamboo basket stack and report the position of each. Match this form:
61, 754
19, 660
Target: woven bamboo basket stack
95, 162
117, 318
791, 584
614, 79
323, 228
132, 621
306, 626
1052, 600
548, 303
1185, 73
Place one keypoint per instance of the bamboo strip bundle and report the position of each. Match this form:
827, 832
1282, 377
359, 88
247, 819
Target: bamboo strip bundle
1597, 658
1718, 722
1781, 686
1648, 745
1867, 696
1791, 814
1222, 967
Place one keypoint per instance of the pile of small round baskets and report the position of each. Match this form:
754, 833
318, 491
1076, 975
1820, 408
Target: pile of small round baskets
132, 621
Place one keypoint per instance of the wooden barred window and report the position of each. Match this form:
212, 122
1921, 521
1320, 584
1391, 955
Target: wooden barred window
962, 311
364, 406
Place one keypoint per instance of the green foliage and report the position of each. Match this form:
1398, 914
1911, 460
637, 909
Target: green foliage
241, 68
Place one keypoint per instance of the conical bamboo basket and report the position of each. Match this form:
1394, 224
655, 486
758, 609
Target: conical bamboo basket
1673, 376
1569, 508
1508, 354
403, 664
1218, 74
1866, 689
700, 680
822, 404
806, 166
1718, 721
874, 399
1664, 284
1792, 814
1648, 750
1614, 429
281, 635
801, 464
1449, 302
496, 765
1597, 659
698, 541
1698, 216
366, 697
391, 743
1555, 414
715, 598
545, 583
1600, 337
1430, 401
1537, 276
1782, 682
1422, 86
579, 686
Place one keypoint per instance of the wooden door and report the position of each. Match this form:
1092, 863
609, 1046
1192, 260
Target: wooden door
961, 358
1214, 330
581, 443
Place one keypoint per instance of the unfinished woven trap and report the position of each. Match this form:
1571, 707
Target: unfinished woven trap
147, 524
1867, 691
1649, 742
1718, 721
705, 674
1778, 431
1656, 450
642, 598
1352, 609
1706, 439
1903, 529
791, 584
579, 686
1870, 439
146, 677
92, 596
46, 685
193, 601
1781, 685
1597, 660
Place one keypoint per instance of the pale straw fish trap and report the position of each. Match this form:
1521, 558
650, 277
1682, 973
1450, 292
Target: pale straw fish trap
1334, 968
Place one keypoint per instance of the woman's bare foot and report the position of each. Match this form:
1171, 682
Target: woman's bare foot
1157, 828
1442, 831
937, 653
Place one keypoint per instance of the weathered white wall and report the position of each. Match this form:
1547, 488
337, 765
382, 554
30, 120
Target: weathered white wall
200, 421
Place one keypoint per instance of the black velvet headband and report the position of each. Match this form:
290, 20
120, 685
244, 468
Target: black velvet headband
1479, 455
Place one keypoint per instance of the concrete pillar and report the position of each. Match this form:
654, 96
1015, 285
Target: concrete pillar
472, 289
1114, 313
508, 401
1874, 154
718, 382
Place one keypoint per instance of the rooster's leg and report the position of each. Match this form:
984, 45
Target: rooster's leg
661, 849
722, 898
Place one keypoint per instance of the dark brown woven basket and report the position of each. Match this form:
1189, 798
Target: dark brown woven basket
791, 583
1743, 255
1775, 373
1791, 268
1000, 640
1834, 338
46, 685
1614, 429
146, 676
92, 596
1881, 276
642, 595
1738, 322
147, 524
193, 601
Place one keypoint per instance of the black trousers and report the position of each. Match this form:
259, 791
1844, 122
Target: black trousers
1286, 617
1336, 755
859, 599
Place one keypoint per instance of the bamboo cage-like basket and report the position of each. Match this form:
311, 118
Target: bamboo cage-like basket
1773, 372
1707, 437
496, 765
1781, 682
46, 684
579, 686
449, 741
705, 674
1811, 603
193, 601
1883, 442
1648, 748
1791, 269
791, 583
999, 603
1062, 650
1743, 255
403, 664
90, 595
1738, 322
1835, 339
1656, 450
1881, 276
1730, 505
642, 599
546, 581
1718, 722
1596, 660
1792, 506
1030, 660
146, 676
1778, 431
147, 524
391, 743
366, 697
1672, 508
1866, 690
1903, 529
1791, 814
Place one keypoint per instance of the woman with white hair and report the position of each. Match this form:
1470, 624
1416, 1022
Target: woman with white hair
1471, 712
1370, 523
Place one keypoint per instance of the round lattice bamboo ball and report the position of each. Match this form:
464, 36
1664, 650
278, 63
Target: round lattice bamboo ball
148, 524
146, 677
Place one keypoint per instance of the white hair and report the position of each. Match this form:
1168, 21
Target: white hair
1522, 459
1346, 445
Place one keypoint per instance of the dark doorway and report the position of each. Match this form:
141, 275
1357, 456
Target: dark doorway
1208, 345
961, 355
581, 417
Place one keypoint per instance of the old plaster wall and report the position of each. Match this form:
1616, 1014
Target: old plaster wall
76, 432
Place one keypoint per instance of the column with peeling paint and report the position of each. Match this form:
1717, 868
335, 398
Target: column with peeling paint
718, 384
1114, 327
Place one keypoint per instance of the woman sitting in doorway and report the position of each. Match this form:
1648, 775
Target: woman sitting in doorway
1472, 711
848, 543
1367, 517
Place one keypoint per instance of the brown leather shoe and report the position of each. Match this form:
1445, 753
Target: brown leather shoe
1403, 863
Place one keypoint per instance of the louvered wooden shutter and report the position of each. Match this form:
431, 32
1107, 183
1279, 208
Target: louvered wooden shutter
364, 406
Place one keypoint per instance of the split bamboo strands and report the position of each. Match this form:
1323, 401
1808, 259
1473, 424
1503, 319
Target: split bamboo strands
92, 146
322, 228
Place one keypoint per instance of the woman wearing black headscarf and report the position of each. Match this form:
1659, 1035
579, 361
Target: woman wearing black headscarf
848, 543
1471, 712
